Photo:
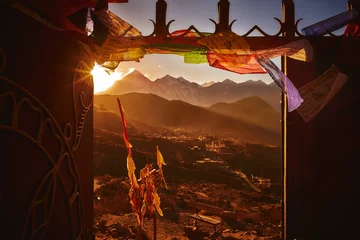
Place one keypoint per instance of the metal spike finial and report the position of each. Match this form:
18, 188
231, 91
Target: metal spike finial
223, 13
288, 18
160, 26
354, 4
223, 16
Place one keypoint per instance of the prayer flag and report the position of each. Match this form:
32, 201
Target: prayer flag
160, 158
246, 64
157, 203
299, 50
226, 42
352, 29
182, 32
292, 94
331, 24
125, 135
195, 57
319, 92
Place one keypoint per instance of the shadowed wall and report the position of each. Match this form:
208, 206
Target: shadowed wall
322, 154
46, 128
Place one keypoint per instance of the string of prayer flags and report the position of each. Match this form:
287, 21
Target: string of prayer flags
331, 24
178, 48
292, 94
231, 52
167, 50
319, 92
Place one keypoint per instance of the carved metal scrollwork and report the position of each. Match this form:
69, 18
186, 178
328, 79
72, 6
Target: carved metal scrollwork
256, 27
82, 91
162, 29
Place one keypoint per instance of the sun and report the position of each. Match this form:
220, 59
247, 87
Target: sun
104, 79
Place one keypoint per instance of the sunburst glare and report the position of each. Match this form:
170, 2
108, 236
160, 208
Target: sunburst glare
104, 79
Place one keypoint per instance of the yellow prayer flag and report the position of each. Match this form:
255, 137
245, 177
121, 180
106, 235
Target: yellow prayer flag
157, 204
160, 158
131, 171
130, 164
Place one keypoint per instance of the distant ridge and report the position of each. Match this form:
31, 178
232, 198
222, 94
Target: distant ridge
205, 95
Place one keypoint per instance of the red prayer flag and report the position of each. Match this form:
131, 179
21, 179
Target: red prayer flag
182, 32
125, 135
352, 29
242, 64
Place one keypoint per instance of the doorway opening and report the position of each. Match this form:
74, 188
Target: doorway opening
219, 133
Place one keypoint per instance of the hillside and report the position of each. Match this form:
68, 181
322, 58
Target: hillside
158, 112
111, 121
252, 110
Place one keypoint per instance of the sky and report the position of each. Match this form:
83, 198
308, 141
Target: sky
197, 12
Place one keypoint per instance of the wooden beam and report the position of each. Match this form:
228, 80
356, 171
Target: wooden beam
255, 43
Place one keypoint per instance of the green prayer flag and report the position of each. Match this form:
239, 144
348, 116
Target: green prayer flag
195, 57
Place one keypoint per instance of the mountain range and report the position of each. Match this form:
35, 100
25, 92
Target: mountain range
204, 95
250, 119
